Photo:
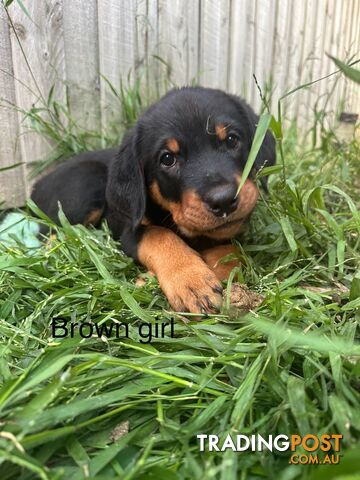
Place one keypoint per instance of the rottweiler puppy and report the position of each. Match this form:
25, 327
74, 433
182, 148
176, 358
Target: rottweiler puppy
169, 194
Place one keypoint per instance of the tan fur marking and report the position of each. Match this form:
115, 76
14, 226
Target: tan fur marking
213, 258
156, 195
145, 221
221, 132
173, 145
173, 207
193, 218
186, 280
93, 217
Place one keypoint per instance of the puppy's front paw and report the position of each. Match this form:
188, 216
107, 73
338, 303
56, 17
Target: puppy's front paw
193, 289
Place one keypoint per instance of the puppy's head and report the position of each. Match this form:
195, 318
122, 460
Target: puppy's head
186, 156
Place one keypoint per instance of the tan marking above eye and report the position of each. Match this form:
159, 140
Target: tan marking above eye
221, 132
173, 145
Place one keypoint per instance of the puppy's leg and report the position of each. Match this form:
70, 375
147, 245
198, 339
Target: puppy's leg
186, 280
213, 258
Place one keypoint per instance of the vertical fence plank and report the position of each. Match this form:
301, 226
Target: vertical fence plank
214, 43
12, 182
308, 62
325, 87
248, 59
263, 47
281, 41
178, 39
146, 47
355, 100
239, 77
39, 64
334, 47
340, 87
192, 45
116, 24
154, 68
297, 21
323, 66
141, 32
352, 89
82, 62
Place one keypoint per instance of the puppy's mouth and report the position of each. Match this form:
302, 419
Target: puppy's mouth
194, 222
226, 223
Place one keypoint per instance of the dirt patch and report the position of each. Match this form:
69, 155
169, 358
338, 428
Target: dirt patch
241, 298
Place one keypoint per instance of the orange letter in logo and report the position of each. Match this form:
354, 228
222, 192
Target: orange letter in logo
337, 439
326, 444
306, 446
295, 441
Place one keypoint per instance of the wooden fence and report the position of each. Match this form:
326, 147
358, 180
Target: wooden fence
74, 44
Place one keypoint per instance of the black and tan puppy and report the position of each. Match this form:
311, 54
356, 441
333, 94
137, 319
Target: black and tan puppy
169, 193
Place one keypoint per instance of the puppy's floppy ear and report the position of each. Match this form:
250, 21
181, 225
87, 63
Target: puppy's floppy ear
125, 190
267, 153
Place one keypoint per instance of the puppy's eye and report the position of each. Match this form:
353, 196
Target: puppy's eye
232, 141
168, 159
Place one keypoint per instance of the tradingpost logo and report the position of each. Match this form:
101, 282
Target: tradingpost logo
307, 449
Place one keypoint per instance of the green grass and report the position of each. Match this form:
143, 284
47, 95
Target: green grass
291, 366
54, 121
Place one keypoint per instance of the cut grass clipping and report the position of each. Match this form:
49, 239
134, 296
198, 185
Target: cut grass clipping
78, 408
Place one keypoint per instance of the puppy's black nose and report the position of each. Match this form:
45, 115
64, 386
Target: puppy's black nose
222, 200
